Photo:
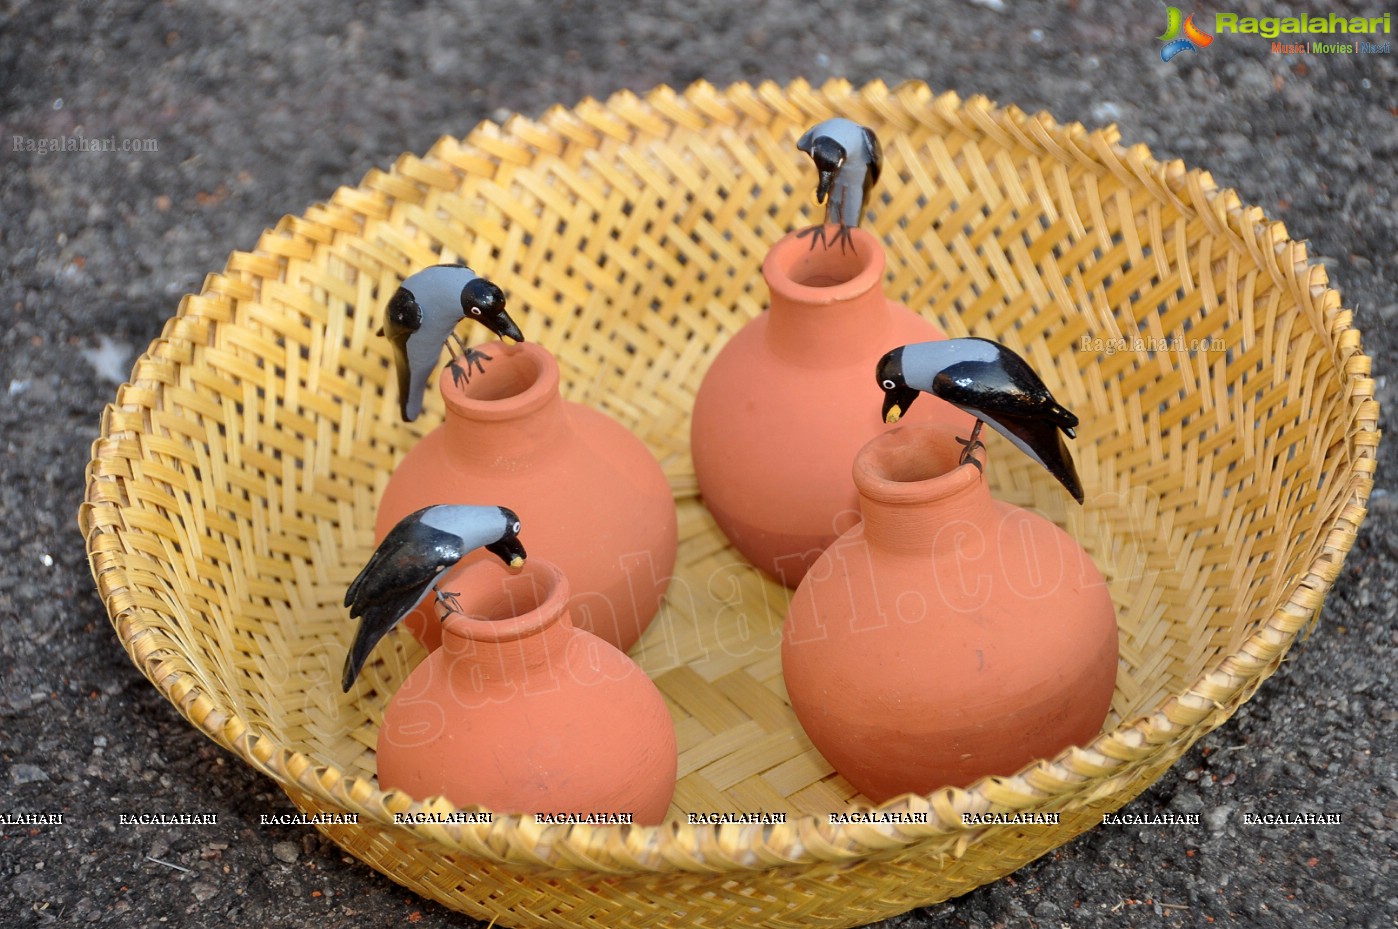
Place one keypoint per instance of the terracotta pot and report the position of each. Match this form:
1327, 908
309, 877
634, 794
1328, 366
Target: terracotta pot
591, 497
949, 635
790, 399
521, 712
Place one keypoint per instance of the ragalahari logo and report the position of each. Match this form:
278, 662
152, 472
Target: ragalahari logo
1191, 40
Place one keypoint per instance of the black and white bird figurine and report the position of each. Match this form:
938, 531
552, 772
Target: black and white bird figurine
412, 558
993, 384
422, 315
848, 158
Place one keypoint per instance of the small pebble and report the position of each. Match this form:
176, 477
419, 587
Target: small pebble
286, 851
1187, 802
1217, 818
1106, 111
27, 774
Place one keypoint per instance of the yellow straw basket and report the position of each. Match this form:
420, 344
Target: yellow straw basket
1227, 450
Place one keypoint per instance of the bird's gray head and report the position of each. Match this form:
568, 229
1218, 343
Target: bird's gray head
905, 372
484, 302
829, 157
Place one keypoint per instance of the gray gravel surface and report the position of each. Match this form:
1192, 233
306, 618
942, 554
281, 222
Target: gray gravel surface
257, 109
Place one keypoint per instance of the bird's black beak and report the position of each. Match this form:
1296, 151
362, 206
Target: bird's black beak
509, 550
823, 185
504, 327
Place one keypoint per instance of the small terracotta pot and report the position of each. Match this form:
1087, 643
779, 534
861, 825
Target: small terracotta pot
790, 399
589, 494
949, 635
521, 712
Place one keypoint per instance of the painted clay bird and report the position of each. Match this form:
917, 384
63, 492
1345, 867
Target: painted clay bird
410, 561
848, 159
993, 384
423, 313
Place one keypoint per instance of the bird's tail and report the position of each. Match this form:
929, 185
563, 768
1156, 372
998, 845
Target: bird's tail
378, 620
356, 656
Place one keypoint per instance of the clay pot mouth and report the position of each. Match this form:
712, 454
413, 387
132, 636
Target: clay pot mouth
915, 464
498, 605
517, 379
825, 273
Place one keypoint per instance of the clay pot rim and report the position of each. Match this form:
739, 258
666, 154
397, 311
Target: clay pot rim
875, 465
790, 249
548, 612
540, 391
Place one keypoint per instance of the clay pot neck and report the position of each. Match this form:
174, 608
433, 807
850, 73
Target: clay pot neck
509, 414
827, 305
509, 624
915, 496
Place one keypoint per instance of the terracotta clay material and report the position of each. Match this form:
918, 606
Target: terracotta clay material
521, 712
790, 399
591, 497
949, 635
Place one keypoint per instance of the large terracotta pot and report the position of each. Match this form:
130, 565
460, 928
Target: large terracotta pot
521, 712
589, 494
948, 635
787, 403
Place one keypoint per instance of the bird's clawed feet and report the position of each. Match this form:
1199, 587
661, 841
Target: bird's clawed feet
446, 599
817, 234
972, 443
462, 364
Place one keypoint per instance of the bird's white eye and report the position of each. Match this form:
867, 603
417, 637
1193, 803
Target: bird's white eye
475, 311
888, 384
514, 527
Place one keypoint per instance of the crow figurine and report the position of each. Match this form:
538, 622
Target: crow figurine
410, 561
993, 384
423, 313
848, 159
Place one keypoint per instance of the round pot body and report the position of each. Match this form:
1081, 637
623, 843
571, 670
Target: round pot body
590, 496
519, 711
792, 396
949, 635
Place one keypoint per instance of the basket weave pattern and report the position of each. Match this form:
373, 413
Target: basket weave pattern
231, 494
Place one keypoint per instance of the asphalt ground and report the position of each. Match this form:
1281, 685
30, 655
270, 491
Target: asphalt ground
226, 115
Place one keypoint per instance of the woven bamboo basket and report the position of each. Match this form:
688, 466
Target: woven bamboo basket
232, 491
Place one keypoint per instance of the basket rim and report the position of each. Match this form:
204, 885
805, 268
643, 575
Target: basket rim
518, 840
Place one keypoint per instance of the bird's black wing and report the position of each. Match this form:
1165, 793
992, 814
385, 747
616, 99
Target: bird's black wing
1018, 369
398, 575
1008, 385
873, 152
378, 619
992, 387
1016, 403
403, 316
409, 558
